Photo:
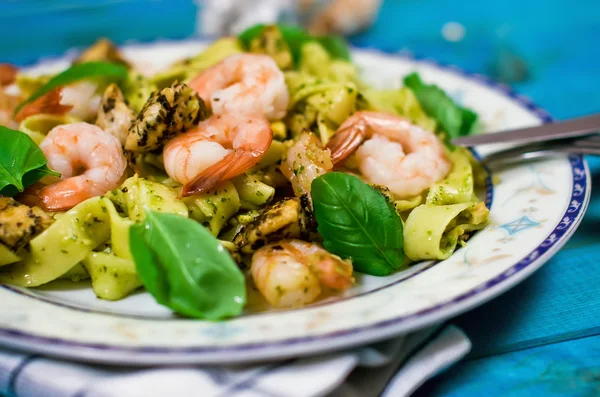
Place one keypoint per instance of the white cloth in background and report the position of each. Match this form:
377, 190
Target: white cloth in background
225, 17
399, 366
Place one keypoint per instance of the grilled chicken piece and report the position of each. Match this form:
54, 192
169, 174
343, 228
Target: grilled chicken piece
114, 116
20, 223
290, 218
166, 113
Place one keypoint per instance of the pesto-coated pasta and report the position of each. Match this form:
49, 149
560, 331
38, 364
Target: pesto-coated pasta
137, 89
408, 204
458, 186
317, 62
252, 192
318, 105
274, 155
28, 84
76, 274
64, 244
7, 256
38, 125
433, 231
401, 102
186, 69
136, 193
113, 278
214, 209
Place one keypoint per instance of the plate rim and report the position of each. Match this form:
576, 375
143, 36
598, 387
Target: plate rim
306, 345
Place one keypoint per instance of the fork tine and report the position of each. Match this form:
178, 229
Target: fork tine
544, 149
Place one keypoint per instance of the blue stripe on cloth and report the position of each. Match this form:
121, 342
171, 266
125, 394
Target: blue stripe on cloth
249, 382
18, 370
569, 368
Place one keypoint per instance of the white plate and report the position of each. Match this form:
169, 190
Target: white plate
535, 207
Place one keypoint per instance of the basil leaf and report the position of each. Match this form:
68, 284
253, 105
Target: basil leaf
22, 163
296, 37
249, 34
357, 222
185, 268
336, 47
78, 72
453, 119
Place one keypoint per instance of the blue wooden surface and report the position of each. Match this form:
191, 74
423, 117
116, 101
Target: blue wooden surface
541, 336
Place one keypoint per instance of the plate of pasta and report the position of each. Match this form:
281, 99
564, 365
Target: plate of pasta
259, 197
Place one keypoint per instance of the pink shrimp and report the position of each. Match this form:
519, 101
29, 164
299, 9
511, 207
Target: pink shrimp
391, 152
220, 148
248, 84
290, 273
72, 147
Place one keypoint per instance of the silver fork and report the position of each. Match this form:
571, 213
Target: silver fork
578, 136
587, 145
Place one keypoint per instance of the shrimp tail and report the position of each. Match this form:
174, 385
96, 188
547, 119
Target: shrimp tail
30, 196
337, 275
59, 197
331, 271
230, 166
8, 74
48, 103
345, 141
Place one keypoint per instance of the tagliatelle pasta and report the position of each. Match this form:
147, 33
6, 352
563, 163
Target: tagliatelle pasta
38, 126
433, 231
458, 186
63, 245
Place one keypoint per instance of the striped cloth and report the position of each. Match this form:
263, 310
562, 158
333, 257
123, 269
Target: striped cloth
393, 368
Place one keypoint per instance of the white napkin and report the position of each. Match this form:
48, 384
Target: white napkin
224, 17
391, 369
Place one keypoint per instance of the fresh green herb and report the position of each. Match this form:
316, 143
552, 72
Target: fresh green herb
357, 222
335, 46
296, 37
22, 163
456, 121
78, 72
185, 268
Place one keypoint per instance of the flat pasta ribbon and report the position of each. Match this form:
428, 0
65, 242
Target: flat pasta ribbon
433, 231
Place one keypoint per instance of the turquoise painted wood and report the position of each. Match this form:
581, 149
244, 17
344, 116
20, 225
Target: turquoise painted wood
540, 337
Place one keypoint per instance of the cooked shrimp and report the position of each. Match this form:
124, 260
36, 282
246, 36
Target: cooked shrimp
291, 273
394, 152
72, 147
49, 103
305, 161
8, 104
8, 74
79, 100
248, 84
220, 148
84, 99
